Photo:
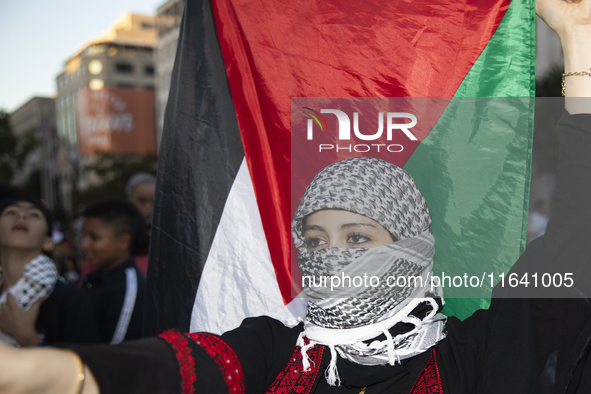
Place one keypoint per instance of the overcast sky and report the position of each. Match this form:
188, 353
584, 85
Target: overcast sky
37, 36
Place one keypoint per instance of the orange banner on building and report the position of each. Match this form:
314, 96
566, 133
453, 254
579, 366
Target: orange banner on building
116, 120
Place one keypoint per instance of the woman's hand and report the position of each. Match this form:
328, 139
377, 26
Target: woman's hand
18, 323
565, 17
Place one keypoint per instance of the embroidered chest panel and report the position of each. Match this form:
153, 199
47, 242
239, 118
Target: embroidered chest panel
292, 380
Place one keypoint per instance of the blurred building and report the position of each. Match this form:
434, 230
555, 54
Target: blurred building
37, 118
168, 21
105, 100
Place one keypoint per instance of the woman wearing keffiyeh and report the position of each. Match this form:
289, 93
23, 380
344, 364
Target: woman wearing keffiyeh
360, 217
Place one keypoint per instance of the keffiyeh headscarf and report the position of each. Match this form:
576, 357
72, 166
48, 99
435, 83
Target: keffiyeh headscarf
348, 317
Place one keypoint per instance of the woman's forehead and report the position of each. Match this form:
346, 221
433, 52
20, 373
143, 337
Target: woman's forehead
338, 217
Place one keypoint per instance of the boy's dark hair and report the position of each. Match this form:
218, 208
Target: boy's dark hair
122, 216
11, 197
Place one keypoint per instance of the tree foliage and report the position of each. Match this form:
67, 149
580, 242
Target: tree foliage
13, 150
111, 173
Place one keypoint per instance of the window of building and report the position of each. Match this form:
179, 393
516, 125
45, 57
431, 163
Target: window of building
124, 68
149, 70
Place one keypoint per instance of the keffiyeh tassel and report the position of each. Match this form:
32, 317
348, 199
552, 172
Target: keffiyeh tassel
331, 374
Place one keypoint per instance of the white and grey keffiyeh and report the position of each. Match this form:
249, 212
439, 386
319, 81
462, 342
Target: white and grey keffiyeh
346, 318
38, 281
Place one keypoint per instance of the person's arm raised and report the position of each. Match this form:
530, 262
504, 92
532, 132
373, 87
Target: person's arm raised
565, 244
571, 20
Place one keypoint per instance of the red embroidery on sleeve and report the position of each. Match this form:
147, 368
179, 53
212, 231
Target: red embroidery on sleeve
429, 381
292, 379
183, 355
225, 358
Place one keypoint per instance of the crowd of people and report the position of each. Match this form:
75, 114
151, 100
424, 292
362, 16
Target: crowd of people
81, 286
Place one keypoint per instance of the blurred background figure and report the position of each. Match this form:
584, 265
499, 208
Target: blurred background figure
140, 190
36, 306
65, 257
538, 221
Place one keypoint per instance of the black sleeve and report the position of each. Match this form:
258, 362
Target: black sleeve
535, 340
565, 248
147, 366
246, 359
536, 336
567, 240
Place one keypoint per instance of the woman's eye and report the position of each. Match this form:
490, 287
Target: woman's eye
357, 239
35, 215
312, 243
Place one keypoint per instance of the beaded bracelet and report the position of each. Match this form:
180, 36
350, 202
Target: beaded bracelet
588, 72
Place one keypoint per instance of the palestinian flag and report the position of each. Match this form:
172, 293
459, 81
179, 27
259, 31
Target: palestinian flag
221, 247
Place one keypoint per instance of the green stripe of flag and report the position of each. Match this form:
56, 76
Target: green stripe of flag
474, 167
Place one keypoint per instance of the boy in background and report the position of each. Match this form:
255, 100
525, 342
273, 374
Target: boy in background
35, 306
111, 229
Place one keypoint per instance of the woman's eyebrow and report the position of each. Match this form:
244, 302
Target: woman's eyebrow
313, 227
348, 225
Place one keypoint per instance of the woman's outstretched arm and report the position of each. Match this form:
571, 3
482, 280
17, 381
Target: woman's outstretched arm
43, 370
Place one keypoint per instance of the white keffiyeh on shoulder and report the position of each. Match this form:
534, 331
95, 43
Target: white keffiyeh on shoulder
38, 281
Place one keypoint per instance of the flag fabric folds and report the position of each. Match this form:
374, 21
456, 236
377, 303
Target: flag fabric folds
220, 247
